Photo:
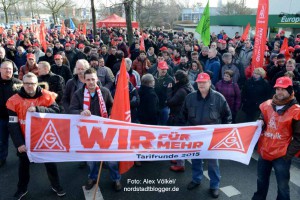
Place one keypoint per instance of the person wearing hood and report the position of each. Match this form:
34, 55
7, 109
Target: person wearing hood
48, 57
175, 97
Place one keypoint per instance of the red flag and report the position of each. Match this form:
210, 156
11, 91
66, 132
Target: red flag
121, 107
260, 33
84, 29
142, 44
1, 30
43, 36
63, 28
246, 32
284, 49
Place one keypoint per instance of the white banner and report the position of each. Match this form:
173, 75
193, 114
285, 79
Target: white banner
65, 138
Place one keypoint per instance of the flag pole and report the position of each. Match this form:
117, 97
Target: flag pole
98, 180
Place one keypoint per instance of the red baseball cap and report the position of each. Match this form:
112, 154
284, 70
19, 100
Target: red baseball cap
297, 46
68, 45
30, 56
73, 42
283, 82
57, 56
36, 44
10, 42
162, 65
203, 77
81, 46
163, 49
120, 38
291, 49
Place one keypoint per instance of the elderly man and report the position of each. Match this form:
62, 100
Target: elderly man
209, 107
54, 82
60, 69
8, 87
31, 98
30, 66
279, 141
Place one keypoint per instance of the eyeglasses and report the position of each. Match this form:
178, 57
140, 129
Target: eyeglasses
31, 84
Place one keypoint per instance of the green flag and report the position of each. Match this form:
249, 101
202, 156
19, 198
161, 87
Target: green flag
203, 27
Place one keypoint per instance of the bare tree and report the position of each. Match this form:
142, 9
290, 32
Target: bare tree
6, 5
235, 8
93, 18
55, 6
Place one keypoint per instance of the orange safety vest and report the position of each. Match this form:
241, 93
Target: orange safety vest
276, 137
20, 105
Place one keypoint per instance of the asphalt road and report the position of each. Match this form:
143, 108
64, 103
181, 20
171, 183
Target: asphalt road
238, 180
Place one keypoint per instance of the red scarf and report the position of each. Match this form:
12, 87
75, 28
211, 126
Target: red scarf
87, 101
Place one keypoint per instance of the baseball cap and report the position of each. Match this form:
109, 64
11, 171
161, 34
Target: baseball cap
57, 56
202, 77
68, 45
30, 56
163, 49
80, 46
10, 42
162, 65
283, 82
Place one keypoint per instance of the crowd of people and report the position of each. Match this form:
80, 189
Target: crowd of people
173, 80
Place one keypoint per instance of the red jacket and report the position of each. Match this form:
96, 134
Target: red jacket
277, 136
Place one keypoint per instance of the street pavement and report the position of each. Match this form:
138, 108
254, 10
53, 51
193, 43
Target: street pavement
238, 182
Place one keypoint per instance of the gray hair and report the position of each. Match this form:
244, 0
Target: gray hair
45, 64
30, 75
147, 79
128, 62
83, 62
227, 56
205, 48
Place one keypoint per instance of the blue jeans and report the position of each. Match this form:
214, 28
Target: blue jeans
3, 139
163, 116
113, 170
213, 172
282, 173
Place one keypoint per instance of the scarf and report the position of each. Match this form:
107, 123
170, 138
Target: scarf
87, 101
278, 102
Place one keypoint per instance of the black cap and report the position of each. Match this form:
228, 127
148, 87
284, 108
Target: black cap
280, 56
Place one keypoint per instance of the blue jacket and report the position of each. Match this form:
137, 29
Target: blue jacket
214, 66
20, 59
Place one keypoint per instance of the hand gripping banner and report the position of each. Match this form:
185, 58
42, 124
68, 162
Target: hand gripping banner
66, 138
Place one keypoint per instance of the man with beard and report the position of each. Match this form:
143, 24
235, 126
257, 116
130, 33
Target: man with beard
279, 141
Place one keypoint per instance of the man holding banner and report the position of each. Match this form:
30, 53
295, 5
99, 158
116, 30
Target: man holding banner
205, 107
94, 100
31, 98
279, 141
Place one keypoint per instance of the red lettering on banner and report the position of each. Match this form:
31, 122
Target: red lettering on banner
161, 144
123, 135
197, 145
136, 139
96, 136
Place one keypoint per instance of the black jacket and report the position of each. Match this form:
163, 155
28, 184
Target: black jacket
213, 109
71, 55
149, 106
64, 71
70, 89
7, 89
254, 93
15, 129
76, 106
175, 98
56, 84
161, 86
50, 59
134, 103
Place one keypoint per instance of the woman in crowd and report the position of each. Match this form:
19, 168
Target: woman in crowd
230, 91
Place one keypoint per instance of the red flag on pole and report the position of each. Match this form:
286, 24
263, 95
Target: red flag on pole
260, 33
142, 43
246, 32
121, 108
63, 28
285, 49
43, 36
84, 29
